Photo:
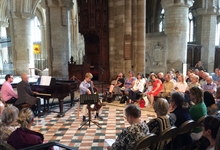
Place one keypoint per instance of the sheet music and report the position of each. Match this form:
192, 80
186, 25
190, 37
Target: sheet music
45, 80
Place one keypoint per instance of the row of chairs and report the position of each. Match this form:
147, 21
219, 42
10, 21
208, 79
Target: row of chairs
168, 134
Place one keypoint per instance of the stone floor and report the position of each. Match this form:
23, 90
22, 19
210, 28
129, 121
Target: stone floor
65, 130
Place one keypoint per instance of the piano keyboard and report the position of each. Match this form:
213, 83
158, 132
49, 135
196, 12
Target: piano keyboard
43, 94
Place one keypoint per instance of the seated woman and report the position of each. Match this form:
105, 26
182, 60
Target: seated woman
116, 85
209, 101
157, 87
130, 135
197, 111
181, 84
162, 122
137, 88
129, 82
210, 129
9, 116
24, 137
179, 116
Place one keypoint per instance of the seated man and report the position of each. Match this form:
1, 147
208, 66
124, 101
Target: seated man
168, 86
210, 86
25, 95
8, 94
117, 85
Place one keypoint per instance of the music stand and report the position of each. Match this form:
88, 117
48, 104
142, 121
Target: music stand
89, 99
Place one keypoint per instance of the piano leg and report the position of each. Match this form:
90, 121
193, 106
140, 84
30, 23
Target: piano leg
72, 95
61, 113
46, 105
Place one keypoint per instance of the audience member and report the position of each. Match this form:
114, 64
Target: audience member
168, 86
7, 92
217, 144
2, 107
179, 116
161, 76
199, 66
215, 76
26, 96
9, 116
202, 81
24, 137
194, 81
197, 111
116, 86
129, 82
189, 74
162, 122
181, 84
138, 88
209, 101
210, 129
157, 87
130, 135
209, 85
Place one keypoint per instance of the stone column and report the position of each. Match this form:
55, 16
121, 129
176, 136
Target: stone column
58, 39
22, 44
141, 36
176, 29
116, 36
206, 20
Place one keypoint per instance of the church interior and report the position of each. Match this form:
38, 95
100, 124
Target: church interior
65, 39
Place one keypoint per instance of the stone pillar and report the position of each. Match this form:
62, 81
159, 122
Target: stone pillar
116, 36
128, 31
58, 39
176, 29
22, 44
141, 36
206, 20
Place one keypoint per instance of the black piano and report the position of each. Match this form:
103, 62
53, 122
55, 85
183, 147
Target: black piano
57, 89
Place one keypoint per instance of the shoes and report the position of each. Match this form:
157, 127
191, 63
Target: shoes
98, 117
84, 119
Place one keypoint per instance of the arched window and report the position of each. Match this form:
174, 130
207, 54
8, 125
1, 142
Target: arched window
161, 25
190, 38
217, 34
36, 32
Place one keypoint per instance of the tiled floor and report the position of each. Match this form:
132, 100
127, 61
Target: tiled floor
65, 129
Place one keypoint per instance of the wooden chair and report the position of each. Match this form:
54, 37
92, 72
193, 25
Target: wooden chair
186, 127
167, 136
5, 146
145, 142
198, 123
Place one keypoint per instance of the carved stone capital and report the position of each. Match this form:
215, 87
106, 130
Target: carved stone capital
173, 3
206, 7
57, 3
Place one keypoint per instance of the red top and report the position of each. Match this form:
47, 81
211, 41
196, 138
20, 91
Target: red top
155, 93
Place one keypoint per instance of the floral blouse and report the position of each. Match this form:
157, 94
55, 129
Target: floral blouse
127, 139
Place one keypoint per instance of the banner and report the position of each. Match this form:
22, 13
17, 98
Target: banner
36, 48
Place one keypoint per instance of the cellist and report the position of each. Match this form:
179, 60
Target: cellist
87, 88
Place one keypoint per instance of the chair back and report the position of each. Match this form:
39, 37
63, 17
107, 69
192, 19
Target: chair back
145, 142
186, 127
166, 137
198, 123
5, 146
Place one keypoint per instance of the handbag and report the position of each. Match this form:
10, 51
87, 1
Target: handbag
123, 99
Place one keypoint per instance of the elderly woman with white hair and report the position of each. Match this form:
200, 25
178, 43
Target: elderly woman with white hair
162, 122
209, 86
9, 116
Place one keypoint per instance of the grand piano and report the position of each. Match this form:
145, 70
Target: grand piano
57, 89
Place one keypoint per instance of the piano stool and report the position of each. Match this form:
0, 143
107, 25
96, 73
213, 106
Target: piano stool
23, 106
